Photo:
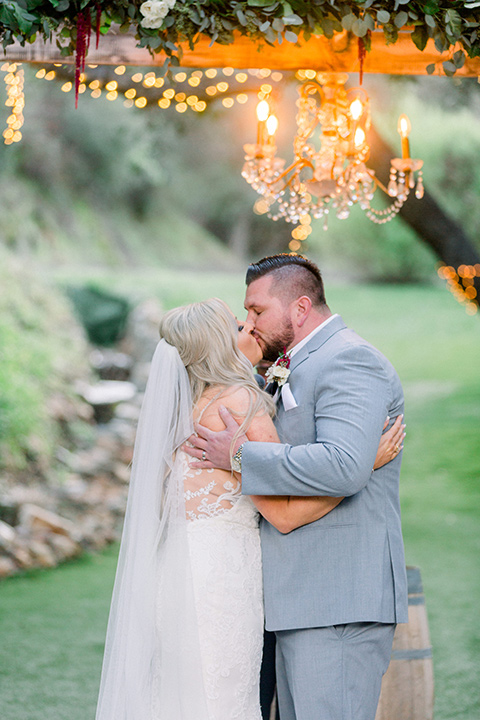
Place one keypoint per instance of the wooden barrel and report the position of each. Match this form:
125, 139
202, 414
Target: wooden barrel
407, 686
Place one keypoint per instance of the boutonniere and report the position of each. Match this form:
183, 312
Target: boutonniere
280, 370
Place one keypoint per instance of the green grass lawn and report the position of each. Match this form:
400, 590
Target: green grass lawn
52, 623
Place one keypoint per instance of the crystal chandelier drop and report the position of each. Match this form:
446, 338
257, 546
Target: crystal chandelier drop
328, 173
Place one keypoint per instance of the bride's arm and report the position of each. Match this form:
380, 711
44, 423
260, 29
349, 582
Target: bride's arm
283, 512
289, 513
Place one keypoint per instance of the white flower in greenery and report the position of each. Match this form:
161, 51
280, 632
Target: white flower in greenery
278, 374
154, 12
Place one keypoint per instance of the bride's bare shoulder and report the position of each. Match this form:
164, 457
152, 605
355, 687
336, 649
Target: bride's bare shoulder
237, 399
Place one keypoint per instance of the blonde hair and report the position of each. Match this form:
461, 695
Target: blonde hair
205, 335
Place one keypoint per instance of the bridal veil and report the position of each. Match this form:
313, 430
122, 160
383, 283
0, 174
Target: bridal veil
152, 668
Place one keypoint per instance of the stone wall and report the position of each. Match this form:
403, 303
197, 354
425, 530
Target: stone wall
78, 503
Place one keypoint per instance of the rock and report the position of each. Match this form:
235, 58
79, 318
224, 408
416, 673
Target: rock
9, 510
128, 411
111, 365
7, 567
64, 547
22, 556
121, 472
35, 518
42, 553
105, 395
7, 535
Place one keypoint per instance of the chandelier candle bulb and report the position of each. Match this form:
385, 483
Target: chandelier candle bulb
263, 111
272, 125
404, 127
359, 138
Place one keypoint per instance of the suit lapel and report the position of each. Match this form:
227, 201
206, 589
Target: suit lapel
317, 341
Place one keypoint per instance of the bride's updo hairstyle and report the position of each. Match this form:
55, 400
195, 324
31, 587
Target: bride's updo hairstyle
205, 335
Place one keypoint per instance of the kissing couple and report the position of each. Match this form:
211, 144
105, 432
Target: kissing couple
243, 505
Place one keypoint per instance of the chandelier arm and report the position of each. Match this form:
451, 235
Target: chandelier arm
377, 182
302, 162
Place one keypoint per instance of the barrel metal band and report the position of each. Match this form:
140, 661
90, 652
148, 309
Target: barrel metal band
416, 599
421, 654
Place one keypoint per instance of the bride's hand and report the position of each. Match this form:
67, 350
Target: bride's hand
391, 443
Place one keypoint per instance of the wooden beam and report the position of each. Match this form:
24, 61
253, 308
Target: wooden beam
338, 55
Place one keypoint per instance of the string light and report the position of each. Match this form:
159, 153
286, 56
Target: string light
15, 101
183, 99
460, 282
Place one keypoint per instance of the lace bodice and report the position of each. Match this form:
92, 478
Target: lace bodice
208, 493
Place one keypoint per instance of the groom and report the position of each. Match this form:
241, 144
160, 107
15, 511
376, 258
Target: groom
334, 589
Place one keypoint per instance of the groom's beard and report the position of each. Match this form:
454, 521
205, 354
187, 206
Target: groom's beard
274, 345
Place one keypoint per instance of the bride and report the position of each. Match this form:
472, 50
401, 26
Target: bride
185, 633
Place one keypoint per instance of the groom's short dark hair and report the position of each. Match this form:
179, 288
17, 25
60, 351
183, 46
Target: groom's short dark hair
294, 276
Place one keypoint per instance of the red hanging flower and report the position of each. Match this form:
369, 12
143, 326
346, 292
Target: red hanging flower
84, 29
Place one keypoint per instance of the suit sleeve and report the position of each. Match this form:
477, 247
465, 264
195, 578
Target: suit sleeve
352, 397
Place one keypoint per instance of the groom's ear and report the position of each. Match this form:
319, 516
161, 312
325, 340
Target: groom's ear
302, 310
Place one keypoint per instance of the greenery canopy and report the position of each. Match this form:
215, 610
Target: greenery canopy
160, 25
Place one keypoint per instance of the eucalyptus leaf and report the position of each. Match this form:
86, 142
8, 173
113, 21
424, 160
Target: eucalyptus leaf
270, 35
241, 18
459, 59
278, 25
420, 37
348, 20
328, 27
430, 68
369, 21
195, 16
359, 28
383, 16
430, 21
441, 42
292, 19
264, 26
449, 68
401, 19
154, 42
454, 20
290, 36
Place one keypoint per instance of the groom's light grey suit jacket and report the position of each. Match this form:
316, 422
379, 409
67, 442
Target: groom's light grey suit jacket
348, 566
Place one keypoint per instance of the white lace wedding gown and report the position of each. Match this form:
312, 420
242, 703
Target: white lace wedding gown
224, 547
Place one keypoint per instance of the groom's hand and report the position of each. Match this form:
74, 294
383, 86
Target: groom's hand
212, 449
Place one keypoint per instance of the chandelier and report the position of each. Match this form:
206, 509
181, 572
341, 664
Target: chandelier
329, 173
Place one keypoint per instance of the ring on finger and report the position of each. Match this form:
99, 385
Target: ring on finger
204, 455
397, 448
